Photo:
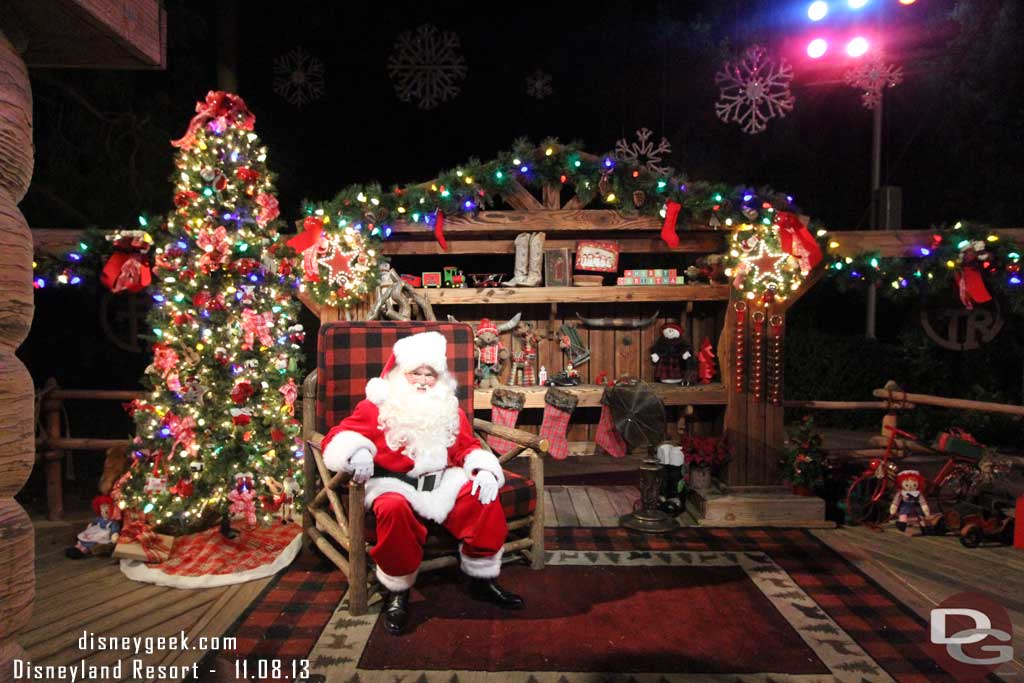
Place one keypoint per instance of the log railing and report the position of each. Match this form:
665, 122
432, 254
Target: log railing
51, 443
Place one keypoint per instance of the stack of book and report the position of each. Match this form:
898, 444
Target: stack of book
650, 276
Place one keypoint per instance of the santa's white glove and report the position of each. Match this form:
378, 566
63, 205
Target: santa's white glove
655, 358
487, 485
361, 466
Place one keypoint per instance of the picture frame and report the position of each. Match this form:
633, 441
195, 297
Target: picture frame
597, 256
557, 268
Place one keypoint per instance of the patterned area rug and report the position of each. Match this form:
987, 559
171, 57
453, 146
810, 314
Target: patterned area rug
737, 605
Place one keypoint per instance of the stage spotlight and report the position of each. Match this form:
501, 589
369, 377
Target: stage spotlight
907, 2
857, 47
817, 10
856, 4
817, 48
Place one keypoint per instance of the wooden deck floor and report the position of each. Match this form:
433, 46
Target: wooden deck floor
75, 596
92, 595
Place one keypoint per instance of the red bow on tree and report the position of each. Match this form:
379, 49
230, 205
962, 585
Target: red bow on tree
221, 109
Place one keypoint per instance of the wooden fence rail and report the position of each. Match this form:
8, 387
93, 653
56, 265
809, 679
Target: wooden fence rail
51, 444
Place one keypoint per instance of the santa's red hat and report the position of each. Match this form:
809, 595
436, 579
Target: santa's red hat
409, 353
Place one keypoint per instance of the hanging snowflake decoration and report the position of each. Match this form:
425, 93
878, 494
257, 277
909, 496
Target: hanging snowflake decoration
299, 77
873, 77
538, 84
427, 66
642, 153
754, 90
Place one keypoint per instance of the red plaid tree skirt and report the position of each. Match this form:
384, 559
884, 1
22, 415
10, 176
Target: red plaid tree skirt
506, 417
608, 438
207, 559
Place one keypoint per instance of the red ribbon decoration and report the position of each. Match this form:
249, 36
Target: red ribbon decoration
153, 545
312, 229
219, 106
126, 273
972, 287
797, 241
668, 228
439, 229
706, 362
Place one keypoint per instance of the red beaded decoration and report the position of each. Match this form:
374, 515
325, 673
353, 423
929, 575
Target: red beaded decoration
757, 356
775, 360
740, 345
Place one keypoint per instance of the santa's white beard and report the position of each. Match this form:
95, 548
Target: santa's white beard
424, 423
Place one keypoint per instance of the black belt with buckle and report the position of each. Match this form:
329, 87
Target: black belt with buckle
428, 482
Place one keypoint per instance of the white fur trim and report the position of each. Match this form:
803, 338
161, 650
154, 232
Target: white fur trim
397, 583
343, 446
482, 567
377, 391
433, 505
425, 348
431, 461
479, 459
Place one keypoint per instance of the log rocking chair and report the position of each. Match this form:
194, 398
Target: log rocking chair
335, 521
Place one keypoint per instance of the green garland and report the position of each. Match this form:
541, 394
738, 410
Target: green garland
475, 186
937, 264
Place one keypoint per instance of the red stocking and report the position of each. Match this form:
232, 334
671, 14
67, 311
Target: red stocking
668, 228
505, 407
558, 406
608, 438
439, 229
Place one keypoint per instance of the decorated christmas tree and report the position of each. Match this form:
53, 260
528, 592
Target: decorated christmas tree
217, 428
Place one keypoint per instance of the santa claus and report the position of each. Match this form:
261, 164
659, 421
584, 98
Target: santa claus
414, 448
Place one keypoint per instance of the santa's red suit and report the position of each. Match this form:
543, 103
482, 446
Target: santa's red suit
401, 502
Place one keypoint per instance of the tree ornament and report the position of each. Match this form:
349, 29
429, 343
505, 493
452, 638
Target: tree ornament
538, 84
757, 355
739, 345
426, 66
754, 90
642, 153
604, 185
639, 197
299, 77
873, 76
775, 336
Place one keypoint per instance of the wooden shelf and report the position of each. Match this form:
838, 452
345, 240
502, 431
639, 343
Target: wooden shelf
691, 242
590, 395
559, 295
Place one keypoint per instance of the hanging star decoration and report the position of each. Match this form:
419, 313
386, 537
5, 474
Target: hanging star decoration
345, 266
873, 77
760, 265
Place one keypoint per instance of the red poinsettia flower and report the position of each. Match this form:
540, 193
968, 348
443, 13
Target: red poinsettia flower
246, 174
183, 199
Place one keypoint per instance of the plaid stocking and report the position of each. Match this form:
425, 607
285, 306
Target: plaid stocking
558, 406
505, 407
608, 438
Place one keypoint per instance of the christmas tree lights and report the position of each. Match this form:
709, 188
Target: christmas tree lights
224, 323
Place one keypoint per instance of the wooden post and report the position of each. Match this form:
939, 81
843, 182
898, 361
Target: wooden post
17, 421
52, 461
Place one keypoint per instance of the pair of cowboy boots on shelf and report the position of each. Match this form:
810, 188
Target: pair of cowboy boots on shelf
529, 260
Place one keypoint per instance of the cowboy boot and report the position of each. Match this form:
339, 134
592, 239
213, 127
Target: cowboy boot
522, 261
536, 264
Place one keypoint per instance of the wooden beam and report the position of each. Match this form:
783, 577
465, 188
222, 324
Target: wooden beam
695, 242
540, 218
552, 196
846, 405
896, 242
518, 197
544, 295
589, 395
945, 402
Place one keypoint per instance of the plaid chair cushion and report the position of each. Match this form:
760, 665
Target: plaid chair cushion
350, 353
518, 498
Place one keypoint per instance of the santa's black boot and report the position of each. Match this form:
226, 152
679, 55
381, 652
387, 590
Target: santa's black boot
396, 612
488, 590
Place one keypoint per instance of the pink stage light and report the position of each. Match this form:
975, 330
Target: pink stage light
817, 48
857, 47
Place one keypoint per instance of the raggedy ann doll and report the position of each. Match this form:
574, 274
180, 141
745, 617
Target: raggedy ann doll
102, 530
909, 505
